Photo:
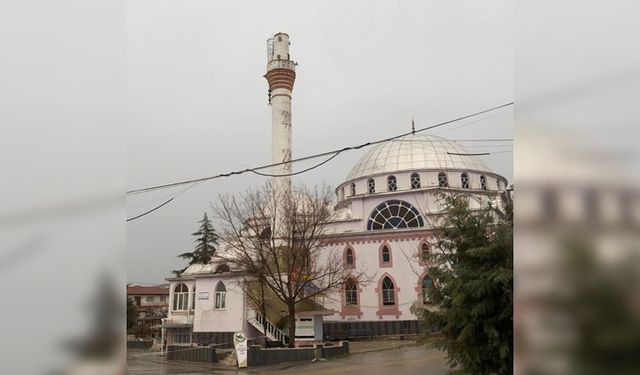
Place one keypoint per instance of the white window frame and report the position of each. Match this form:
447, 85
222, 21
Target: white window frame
220, 297
180, 300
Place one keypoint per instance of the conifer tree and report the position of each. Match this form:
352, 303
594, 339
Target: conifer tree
206, 242
472, 293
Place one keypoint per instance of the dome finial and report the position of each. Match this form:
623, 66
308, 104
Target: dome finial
413, 127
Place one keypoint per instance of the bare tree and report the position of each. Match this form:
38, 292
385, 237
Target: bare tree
275, 234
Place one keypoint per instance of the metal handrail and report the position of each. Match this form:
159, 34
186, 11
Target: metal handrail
270, 328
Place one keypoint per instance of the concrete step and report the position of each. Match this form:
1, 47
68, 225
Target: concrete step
229, 359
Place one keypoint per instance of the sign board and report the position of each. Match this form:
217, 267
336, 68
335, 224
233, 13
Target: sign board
203, 295
240, 343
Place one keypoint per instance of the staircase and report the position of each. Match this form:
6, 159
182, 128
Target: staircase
265, 327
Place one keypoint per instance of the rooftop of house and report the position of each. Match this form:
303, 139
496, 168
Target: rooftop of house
137, 290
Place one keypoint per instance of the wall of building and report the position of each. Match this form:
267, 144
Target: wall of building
209, 319
406, 268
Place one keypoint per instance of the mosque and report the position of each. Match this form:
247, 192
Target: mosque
384, 215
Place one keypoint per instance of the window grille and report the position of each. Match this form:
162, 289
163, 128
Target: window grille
415, 181
442, 179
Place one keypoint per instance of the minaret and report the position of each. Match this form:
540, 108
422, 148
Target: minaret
281, 75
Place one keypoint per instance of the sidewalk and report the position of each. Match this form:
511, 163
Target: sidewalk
147, 362
356, 347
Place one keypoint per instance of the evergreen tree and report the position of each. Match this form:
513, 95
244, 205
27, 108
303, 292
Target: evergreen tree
472, 293
132, 313
206, 242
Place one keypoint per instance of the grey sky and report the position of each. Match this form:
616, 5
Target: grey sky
197, 101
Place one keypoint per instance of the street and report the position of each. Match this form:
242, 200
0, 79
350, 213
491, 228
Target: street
403, 361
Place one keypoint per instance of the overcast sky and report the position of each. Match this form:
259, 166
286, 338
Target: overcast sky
197, 101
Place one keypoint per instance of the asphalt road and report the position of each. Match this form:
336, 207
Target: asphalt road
402, 361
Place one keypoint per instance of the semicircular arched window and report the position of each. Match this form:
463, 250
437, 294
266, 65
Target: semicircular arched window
222, 268
180, 297
220, 296
394, 214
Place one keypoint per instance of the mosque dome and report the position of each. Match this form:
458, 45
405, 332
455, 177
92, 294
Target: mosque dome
415, 152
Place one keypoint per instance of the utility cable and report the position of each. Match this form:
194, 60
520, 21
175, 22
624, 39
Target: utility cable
333, 154
349, 148
299, 172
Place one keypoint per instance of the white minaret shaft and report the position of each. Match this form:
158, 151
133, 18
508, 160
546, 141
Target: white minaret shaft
281, 75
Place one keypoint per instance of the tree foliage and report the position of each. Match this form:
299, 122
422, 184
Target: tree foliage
206, 242
472, 293
132, 313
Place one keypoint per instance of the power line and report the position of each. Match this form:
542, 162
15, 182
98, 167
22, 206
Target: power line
150, 211
333, 154
299, 172
349, 148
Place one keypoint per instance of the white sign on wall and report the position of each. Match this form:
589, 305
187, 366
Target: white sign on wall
203, 295
240, 343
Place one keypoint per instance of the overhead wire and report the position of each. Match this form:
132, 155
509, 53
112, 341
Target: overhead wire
299, 172
333, 153
348, 148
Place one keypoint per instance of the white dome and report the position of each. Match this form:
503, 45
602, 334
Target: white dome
198, 268
415, 152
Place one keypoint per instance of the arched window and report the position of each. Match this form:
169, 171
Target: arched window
351, 293
415, 181
464, 180
371, 184
424, 252
385, 254
180, 297
193, 298
427, 283
266, 233
392, 183
220, 296
388, 292
483, 182
349, 258
394, 214
385, 257
353, 189
442, 179
222, 268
